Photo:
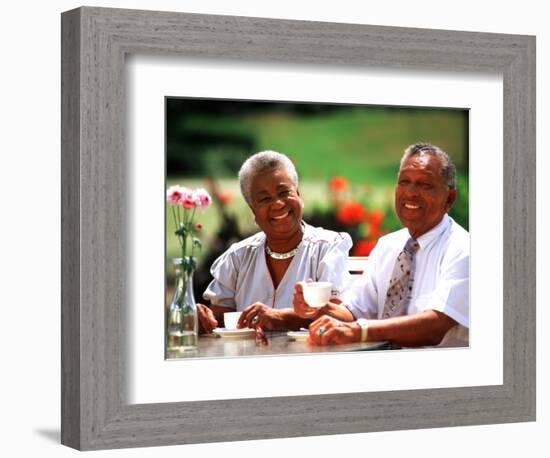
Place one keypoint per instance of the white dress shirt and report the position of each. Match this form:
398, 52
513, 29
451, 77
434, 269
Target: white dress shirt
441, 276
241, 276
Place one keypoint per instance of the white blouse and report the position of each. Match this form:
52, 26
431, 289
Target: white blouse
241, 275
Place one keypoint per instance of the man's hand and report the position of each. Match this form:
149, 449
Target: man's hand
330, 331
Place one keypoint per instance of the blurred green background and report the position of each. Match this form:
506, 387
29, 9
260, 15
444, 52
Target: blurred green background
347, 157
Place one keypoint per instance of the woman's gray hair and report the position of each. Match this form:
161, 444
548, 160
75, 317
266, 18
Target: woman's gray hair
448, 169
260, 162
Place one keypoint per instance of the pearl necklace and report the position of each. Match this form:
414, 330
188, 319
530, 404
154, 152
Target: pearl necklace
288, 254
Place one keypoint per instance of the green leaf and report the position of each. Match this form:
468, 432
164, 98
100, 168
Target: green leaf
182, 231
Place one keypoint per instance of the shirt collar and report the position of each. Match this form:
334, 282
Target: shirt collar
308, 231
426, 239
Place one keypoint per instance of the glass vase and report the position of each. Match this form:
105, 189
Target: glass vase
182, 322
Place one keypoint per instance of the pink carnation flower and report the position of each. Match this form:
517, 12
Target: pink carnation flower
185, 202
188, 199
202, 198
174, 194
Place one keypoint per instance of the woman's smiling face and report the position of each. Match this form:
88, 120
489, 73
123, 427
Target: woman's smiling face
422, 196
276, 204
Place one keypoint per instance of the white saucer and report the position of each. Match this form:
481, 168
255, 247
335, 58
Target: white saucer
298, 335
244, 332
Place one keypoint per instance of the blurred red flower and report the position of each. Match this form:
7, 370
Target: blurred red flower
351, 213
376, 217
374, 232
225, 197
363, 247
338, 184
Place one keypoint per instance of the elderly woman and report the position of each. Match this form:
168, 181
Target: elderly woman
257, 275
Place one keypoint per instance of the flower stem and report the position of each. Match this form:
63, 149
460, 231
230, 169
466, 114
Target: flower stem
184, 237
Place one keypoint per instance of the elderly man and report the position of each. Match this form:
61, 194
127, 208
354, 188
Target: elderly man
414, 291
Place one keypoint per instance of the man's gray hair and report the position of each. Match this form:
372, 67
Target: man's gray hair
261, 162
448, 169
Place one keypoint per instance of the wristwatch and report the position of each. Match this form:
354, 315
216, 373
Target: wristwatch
364, 325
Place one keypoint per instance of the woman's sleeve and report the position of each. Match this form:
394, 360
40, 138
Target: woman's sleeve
221, 290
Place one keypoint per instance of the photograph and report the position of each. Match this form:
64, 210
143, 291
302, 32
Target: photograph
285, 221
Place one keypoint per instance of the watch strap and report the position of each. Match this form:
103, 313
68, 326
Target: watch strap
364, 325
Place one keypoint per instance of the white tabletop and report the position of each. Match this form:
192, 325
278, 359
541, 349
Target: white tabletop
279, 343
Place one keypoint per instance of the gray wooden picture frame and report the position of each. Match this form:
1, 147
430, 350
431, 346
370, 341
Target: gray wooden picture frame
95, 41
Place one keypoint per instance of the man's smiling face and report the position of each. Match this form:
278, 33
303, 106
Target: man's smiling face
422, 196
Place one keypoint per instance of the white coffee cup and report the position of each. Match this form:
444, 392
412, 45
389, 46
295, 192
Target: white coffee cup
231, 319
317, 293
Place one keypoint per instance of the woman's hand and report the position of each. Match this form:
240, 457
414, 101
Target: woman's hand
334, 308
328, 331
260, 315
207, 320
300, 305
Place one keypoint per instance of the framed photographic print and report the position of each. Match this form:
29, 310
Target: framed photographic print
346, 156
119, 67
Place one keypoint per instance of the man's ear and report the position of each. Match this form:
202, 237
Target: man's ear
451, 198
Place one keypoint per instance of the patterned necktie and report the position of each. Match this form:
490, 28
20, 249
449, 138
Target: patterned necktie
401, 281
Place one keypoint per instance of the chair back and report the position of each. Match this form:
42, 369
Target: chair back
357, 265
